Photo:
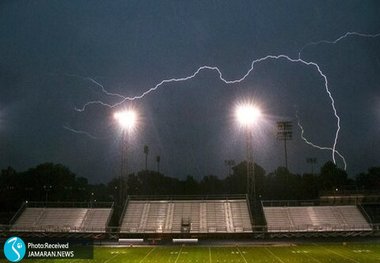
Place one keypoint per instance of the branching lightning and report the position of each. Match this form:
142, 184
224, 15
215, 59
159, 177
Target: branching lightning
317, 146
336, 40
97, 84
80, 132
333, 42
213, 68
241, 79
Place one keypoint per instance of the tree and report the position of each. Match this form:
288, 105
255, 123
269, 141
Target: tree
279, 184
309, 188
369, 180
237, 182
191, 186
9, 190
332, 177
211, 184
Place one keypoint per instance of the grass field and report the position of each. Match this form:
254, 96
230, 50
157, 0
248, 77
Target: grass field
329, 253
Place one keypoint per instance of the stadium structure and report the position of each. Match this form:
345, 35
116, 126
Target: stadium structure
155, 218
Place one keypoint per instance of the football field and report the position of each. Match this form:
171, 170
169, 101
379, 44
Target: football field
291, 253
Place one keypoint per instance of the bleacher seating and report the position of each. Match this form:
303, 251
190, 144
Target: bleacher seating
43, 219
174, 216
315, 218
96, 220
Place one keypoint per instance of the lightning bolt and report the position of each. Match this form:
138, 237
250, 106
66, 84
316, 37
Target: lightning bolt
213, 68
253, 63
317, 146
336, 40
97, 84
333, 42
80, 132
103, 89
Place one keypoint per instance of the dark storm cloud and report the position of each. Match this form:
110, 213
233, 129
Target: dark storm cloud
130, 46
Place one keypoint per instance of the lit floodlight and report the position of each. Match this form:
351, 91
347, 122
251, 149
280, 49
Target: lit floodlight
126, 119
247, 114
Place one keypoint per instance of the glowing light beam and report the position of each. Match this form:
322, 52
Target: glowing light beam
247, 114
126, 119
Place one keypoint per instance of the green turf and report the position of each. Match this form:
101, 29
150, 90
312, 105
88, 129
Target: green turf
301, 253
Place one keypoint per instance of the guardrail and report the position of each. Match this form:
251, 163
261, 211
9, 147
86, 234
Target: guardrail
70, 204
18, 213
256, 229
57, 229
186, 197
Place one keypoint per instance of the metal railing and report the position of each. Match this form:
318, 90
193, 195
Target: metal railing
186, 197
70, 204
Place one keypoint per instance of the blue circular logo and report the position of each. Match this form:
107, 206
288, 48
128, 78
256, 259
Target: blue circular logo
14, 249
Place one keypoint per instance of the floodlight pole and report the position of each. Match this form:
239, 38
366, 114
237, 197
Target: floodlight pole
146, 152
123, 168
251, 182
284, 133
248, 115
286, 154
158, 159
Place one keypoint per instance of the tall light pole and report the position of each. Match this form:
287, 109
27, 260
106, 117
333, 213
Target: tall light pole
248, 115
47, 188
146, 152
284, 133
158, 159
127, 121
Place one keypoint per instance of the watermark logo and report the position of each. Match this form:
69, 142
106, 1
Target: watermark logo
14, 249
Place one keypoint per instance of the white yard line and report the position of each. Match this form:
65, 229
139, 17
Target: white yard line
270, 252
111, 258
241, 254
209, 254
150, 251
313, 258
179, 253
342, 256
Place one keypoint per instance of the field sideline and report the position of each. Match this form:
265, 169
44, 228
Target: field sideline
300, 253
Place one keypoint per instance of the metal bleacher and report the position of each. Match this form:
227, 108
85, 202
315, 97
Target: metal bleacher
62, 219
195, 215
315, 219
96, 220
192, 216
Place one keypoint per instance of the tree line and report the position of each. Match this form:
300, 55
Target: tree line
55, 182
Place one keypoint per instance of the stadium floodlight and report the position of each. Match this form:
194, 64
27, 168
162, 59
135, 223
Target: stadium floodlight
247, 114
127, 119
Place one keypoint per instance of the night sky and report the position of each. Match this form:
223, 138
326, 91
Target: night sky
55, 55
